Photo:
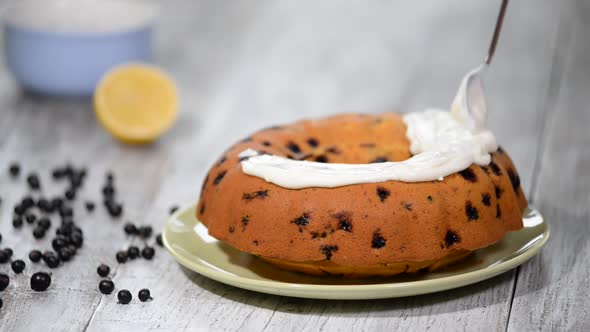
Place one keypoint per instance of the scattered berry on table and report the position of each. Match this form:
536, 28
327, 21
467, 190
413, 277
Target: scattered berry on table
40, 281
89, 206
14, 170
159, 240
145, 231
70, 194
33, 181
44, 223
27, 202
4, 281
18, 266
77, 239
17, 221
133, 252
59, 242
107, 287
35, 256
3, 257
124, 296
45, 205
8, 251
148, 252
130, 229
103, 270
144, 295
121, 256
30, 218
19, 209
39, 232
108, 190
65, 254
51, 259
115, 210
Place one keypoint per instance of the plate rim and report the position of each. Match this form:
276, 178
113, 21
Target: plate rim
350, 292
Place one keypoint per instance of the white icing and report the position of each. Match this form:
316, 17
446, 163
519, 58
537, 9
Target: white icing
442, 143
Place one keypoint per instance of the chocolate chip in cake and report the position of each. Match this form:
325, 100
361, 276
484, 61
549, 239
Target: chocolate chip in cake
202, 209
451, 238
468, 175
255, 242
245, 221
301, 221
267, 143
379, 160
313, 142
378, 241
495, 168
344, 221
321, 159
329, 250
219, 177
383, 193
232, 229
485, 169
499, 191
333, 150
471, 211
221, 160
429, 198
514, 180
293, 147
261, 194
498, 211
407, 206
315, 235
486, 199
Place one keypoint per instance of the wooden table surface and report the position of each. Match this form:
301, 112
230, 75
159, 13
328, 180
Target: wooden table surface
242, 65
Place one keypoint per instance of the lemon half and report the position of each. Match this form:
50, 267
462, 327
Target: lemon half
136, 103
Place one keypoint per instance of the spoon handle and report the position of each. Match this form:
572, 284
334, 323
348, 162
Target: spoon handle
499, 22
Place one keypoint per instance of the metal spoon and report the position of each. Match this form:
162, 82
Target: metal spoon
469, 106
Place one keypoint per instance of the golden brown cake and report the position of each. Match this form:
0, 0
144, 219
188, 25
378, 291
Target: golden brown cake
370, 229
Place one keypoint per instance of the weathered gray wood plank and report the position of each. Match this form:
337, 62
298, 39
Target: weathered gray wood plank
552, 291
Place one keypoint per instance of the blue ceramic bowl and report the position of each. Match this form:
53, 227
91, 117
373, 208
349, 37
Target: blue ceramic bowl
63, 47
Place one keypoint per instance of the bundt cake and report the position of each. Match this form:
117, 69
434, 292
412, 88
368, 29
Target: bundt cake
296, 215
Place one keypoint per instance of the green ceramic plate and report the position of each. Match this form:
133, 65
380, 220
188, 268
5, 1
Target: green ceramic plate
188, 241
